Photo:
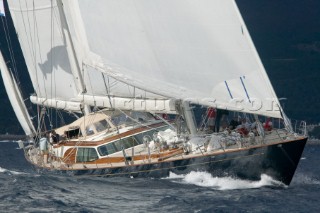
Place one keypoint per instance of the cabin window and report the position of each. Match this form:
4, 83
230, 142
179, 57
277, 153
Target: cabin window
103, 151
107, 149
120, 119
125, 143
89, 130
117, 146
73, 132
142, 116
129, 142
86, 154
130, 118
150, 133
101, 125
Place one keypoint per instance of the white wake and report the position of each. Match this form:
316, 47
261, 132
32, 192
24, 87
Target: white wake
205, 179
2, 170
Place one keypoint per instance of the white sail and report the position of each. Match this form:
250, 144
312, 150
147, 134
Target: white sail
199, 50
40, 33
58, 104
195, 50
2, 12
43, 35
16, 99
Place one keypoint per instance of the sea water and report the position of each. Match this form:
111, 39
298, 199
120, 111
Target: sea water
24, 189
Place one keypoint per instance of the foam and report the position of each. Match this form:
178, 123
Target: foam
205, 179
306, 179
2, 170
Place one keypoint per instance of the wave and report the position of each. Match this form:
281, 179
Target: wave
2, 170
6, 141
13, 141
305, 179
205, 179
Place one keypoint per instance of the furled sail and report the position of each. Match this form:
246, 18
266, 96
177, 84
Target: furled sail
16, 99
197, 50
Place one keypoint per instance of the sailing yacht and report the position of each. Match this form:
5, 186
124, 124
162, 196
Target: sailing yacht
118, 66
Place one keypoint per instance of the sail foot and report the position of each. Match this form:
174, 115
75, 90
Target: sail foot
150, 105
58, 104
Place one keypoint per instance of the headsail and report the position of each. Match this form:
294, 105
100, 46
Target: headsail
40, 34
2, 12
16, 99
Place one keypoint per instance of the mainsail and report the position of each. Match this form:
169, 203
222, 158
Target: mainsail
194, 50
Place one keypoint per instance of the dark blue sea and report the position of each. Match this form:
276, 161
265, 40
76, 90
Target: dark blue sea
23, 189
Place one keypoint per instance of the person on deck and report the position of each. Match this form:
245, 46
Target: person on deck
43, 145
267, 125
211, 112
244, 127
221, 117
234, 123
55, 138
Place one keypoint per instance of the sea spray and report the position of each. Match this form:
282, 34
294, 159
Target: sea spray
205, 179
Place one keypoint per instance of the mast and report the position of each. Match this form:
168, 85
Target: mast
16, 99
74, 63
183, 108
189, 116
